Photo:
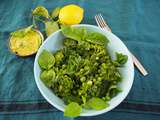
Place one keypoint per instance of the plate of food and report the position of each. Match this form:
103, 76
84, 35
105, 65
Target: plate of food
83, 71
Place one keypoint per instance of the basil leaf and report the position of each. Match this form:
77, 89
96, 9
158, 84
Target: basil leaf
97, 103
46, 60
72, 110
96, 38
74, 33
47, 77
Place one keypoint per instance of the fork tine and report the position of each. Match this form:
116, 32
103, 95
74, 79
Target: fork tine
104, 22
100, 23
97, 21
100, 16
101, 20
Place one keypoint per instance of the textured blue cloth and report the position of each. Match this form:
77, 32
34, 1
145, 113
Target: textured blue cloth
136, 22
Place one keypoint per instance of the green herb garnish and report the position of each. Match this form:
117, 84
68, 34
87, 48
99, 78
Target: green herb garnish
97, 103
46, 60
74, 33
73, 110
47, 77
95, 37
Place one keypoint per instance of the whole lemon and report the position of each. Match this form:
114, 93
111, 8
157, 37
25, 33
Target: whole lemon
71, 14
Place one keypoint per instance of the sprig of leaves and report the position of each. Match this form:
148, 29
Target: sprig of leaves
81, 34
41, 14
41, 11
120, 59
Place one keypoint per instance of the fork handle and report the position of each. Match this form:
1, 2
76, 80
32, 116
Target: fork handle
139, 65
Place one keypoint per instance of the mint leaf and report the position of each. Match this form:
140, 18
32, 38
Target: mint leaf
113, 90
97, 103
46, 60
72, 110
47, 77
74, 33
121, 59
96, 38
51, 27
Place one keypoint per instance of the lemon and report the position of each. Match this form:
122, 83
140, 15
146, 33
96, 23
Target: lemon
26, 45
71, 14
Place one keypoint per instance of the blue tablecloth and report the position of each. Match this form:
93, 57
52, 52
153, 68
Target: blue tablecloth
136, 22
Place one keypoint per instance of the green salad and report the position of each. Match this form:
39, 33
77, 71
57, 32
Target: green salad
82, 73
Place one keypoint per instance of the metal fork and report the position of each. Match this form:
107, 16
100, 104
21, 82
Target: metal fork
103, 25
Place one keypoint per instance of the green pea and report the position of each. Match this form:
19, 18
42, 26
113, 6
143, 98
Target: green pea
64, 65
97, 58
101, 74
89, 83
81, 70
82, 79
94, 80
99, 78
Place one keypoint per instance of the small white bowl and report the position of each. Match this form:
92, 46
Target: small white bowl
54, 43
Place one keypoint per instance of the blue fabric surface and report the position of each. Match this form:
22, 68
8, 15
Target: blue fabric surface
136, 22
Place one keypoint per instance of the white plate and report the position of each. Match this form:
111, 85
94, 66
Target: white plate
54, 42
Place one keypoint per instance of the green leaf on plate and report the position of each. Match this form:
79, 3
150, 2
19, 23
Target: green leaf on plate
74, 33
121, 59
46, 60
113, 90
72, 110
96, 38
47, 77
97, 103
